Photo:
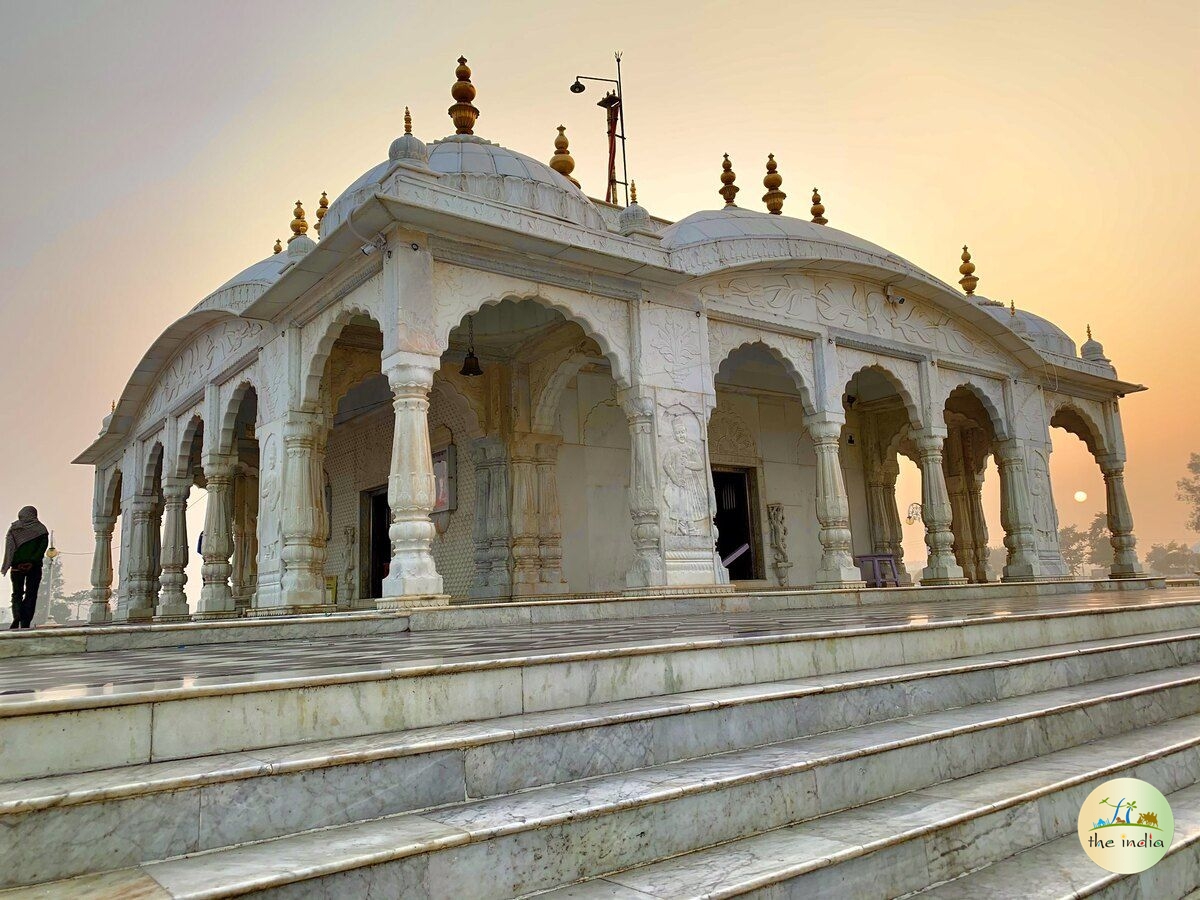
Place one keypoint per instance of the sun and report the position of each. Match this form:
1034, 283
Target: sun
1080, 496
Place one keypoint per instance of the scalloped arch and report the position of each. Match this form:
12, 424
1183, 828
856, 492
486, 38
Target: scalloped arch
996, 419
315, 368
896, 380
781, 357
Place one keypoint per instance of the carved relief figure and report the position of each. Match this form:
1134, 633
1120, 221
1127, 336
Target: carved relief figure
779, 532
686, 491
1044, 519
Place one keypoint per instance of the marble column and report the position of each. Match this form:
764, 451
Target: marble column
172, 602
140, 607
941, 567
413, 575
648, 569
1120, 519
979, 529
490, 526
524, 517
216, 601
303, 526
549, 517
837, 567
100, 611
887, 535
1016, 515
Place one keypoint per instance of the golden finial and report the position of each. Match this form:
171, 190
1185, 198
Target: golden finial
1012, 308
633, 192
299, 226
818, 211
562, 162
322, 210
1089, 332
278, 245
407, 121
462, 113
774, 197
967, 270
114, 406
728, 176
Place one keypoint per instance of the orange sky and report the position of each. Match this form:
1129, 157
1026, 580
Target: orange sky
154, 149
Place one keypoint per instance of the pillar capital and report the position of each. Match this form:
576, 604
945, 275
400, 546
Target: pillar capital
410, 374
825, 431
637, 404
1111, 464
929, 440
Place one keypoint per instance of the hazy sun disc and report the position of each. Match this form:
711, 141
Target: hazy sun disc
1080, 496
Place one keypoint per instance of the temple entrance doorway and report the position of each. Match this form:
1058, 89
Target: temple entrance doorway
738, 542
376, 519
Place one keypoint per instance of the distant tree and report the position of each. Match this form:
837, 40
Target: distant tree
78, 603
1099, 541
60, 612
1172, 559
1189, 492
1074, 546
997, 559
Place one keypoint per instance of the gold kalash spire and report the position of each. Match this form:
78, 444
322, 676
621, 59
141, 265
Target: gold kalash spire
774, 197
728, 176
278, 245
967, 271
463, 114
562, 161
322, 210
818, 211
299, 226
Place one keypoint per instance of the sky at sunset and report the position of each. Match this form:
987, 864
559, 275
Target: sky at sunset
153, 149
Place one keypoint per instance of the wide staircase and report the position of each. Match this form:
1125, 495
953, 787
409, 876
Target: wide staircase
947, 760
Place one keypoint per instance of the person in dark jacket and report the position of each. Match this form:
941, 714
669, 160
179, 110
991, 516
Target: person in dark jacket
24, 549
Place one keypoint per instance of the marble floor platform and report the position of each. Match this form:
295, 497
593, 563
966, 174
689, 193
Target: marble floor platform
187, 664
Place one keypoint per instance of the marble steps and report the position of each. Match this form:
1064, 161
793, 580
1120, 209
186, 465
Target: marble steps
1058, 870
234, 713
1012, 829
543, 837
165, 809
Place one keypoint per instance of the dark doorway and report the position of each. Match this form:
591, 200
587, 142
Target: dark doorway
380, 552
736, 537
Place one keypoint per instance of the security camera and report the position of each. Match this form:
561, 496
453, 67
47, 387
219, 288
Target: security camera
892, 297
370, 247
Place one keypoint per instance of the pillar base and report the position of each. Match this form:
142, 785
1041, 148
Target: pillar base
139, 615
99, 614
839, 578
401, 585
279, 612
170, 618
209, 615
1125, 572
935, 581
401, 604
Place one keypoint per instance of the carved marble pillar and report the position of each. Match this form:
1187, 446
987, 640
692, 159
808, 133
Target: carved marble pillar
979, 530
100, 612
941, 567
413, 575
245, 537
491, 523
1016, 515
303, 526
549, 517
216, 600
140, 607
837, 567
172, 603
238, 533
647, 569
1120, 519
524, 517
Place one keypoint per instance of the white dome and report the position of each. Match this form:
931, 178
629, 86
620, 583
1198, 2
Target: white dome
1042, 333
470, 164
713, 225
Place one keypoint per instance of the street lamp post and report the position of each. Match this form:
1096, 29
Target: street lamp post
608, 102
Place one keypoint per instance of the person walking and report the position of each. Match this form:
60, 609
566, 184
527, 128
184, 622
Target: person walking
24, 549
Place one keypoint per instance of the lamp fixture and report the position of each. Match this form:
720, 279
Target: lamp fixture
470, 367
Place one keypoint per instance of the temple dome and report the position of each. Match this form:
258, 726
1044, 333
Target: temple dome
476, 166
731, 222
1041, 333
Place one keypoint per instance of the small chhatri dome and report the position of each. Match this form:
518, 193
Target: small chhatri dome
774, 197
634, 216
1092, 350
322, 209
562, 162
278, 245
463, 114
299, 226
818, 211
408, 147
728, 176
967, 270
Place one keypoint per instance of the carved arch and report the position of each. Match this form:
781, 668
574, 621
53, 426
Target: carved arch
314, 365
1073, 416
987, 400
110, 494
154, 468
895, 379
451, 393
611, 336
721, 354
545, 408
183, 452
226, 438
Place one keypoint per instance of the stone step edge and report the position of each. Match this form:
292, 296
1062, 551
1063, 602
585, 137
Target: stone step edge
1069, 843
784, 873
491, 731
533, 823
14, 708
